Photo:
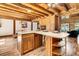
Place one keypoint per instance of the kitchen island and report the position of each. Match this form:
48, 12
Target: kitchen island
30, 40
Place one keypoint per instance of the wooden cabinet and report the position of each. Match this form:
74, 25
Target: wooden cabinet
56, 47
24, 45
53, 48
29, 42
37, 40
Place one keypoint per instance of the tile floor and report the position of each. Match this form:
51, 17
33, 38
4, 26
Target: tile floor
8, 47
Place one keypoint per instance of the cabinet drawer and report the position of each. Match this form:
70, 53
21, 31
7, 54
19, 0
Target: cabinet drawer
27, 35
37, 40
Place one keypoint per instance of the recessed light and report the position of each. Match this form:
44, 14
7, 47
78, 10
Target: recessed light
49, 4
56, 3
52, 4
29, 10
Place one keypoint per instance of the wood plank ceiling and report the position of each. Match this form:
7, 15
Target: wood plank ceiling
23, 11
73, 8
30, 11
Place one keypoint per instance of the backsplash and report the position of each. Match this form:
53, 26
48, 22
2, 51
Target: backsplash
48, 21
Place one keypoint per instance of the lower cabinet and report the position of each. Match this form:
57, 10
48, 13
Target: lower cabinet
27, 42
37, 40
30, 42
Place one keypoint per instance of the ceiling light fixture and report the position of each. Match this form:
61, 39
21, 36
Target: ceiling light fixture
49, 4
29, 10
52, 4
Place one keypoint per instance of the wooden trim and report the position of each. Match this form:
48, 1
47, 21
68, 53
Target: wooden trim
6, 36
48, 46
67, 7
57, 22
15, 18
14, 27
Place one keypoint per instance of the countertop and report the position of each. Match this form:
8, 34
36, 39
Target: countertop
51, 34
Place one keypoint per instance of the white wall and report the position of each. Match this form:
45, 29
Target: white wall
28, 26
7, 27
19, 26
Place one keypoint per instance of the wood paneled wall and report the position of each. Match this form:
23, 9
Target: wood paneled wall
49, 21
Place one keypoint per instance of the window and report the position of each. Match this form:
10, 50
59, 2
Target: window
64, 27
76, 25
0, 24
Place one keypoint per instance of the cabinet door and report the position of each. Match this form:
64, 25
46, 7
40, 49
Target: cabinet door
37, 41
40, 40
30, 43
25, 45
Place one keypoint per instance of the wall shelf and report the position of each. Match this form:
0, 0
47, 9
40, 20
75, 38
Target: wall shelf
57, 45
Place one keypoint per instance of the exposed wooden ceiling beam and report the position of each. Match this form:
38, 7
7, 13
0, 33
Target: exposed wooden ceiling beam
2, 12
56, 10
42, 8
10, 11
67, 6
73, 6
13, 18
13, 8
34, 8
25, 10
70, 12
16, 15
74, 15
50, 8
61, 7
